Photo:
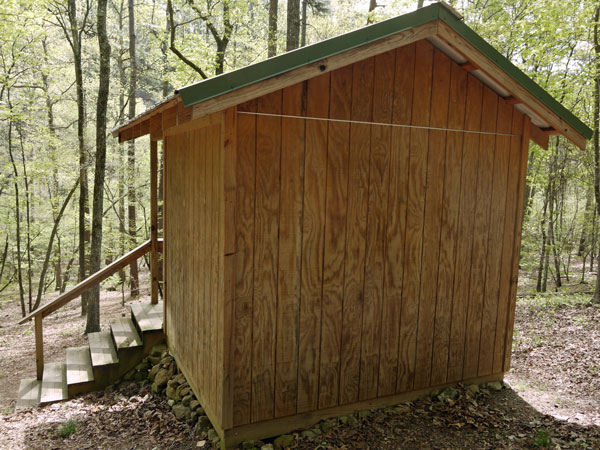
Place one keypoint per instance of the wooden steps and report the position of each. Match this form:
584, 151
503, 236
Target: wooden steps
125, 334
54, 383
108, 356
29, 393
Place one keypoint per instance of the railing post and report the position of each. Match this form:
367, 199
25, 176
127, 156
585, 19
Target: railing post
39, 346
154, 219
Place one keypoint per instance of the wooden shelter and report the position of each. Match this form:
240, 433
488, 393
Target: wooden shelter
343, 222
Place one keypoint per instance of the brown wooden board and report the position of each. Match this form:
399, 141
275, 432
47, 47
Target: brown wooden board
419, 142
264, 313
485, 177
496, 234
512, 296
244, 264
433, 216
509, 237
335, 236
354, 262
449, 230
396, 219
464, 244
290, 246
313, 228
376, 225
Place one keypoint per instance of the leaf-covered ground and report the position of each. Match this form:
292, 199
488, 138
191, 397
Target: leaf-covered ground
553, 400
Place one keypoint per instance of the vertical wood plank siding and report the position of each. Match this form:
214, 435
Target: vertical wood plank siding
366, 260
197, 312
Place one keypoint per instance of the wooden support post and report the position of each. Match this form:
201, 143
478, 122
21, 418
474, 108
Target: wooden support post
39, 346
154, 219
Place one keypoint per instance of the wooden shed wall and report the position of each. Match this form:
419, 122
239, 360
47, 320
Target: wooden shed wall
194, 255
372, 260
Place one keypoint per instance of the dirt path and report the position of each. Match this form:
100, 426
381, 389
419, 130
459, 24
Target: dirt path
553, 400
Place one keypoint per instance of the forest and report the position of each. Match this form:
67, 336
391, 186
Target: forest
73, 199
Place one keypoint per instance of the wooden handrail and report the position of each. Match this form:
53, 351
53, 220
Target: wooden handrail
90, 281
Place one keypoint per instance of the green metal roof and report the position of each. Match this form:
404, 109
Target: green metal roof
221, 84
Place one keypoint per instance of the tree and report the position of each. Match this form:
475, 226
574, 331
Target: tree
293, 25
596, 140
272, 30
131, 197
73, 30
93, 313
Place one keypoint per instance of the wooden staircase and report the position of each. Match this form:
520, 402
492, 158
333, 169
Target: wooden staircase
108, 356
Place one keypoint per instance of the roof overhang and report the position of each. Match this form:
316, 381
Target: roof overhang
437, 23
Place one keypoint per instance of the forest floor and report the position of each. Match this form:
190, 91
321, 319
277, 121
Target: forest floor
551, 398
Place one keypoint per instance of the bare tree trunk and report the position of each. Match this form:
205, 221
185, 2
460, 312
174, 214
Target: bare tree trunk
27, 219
303, 23
17, 211
373, 5
540, 286
131, 199
419, 4
73, 34
272, 31
57, 220
93, 316
121, 184
293, 25
587, 218
596, 142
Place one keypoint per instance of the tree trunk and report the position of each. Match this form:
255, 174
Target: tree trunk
596, 142
27, 219
17, 210
57, 220
93, 316
293, 25
131, 198
587, 219
303, 23
84, 210
121, 183
272, 31
540, 286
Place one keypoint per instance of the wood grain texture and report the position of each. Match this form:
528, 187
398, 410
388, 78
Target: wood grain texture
419, 145
376, 225
508, 240
313, 230
356, 224
244, 263
433, 215
264, 313
449, 230
290, 248
335, 236
512, 296
396, 219
466, 220
495, 237
485, 177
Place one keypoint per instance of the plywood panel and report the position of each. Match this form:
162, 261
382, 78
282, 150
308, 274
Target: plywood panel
244, 263
313, 228
335, 235
396, 219
358, 190
290, 247
485, 177
509, 237
376, 224
496, 231
419, 142
449, 231
264, 313
194, 174
512, 296
433, 216
464, 244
